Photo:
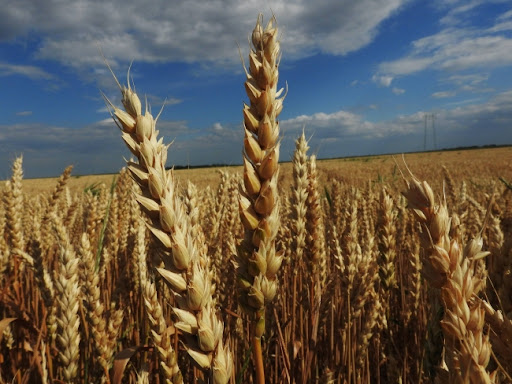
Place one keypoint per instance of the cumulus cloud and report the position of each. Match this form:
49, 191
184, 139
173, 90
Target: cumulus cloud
338, 124
97, 148
187, 31
48, 149
217, 127
383, 81
345, 133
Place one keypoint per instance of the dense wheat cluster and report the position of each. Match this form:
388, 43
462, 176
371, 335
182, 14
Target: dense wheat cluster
342, 272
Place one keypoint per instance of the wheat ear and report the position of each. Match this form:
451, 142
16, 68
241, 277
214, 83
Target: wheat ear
95, 309
315, 240
161, 338
14, 208
501, 334
258, 261
4, 247
186, 264
68, 295
298, 199
458, 275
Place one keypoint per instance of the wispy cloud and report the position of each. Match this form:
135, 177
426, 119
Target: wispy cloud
473, 79
29, 71
460, 12
24, 113
443, 94
460, 83
398, 91
448, 51
456, 47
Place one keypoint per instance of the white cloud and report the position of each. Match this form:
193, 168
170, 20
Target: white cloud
398, 91
460, 11
406, 65
495, 115
473, 79
473, 82
24, 113
500, 27
383, 81
505, 16
485, 51
29, 71
98, 148
457, 47
339, 124
443, 94
187, 31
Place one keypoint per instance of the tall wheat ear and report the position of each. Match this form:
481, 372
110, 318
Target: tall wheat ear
258, 261
457, 276
185, 261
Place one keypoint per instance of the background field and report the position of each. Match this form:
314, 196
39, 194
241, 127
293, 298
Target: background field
77, 261
471, 165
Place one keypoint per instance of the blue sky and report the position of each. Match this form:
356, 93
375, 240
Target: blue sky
361, 77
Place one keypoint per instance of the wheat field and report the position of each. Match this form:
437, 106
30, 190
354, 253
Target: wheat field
349, 270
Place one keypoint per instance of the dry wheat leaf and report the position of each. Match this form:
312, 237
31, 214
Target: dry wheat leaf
121, 359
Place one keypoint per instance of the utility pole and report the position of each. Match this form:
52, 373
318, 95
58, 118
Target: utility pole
434, 130
425, 134
432, 118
